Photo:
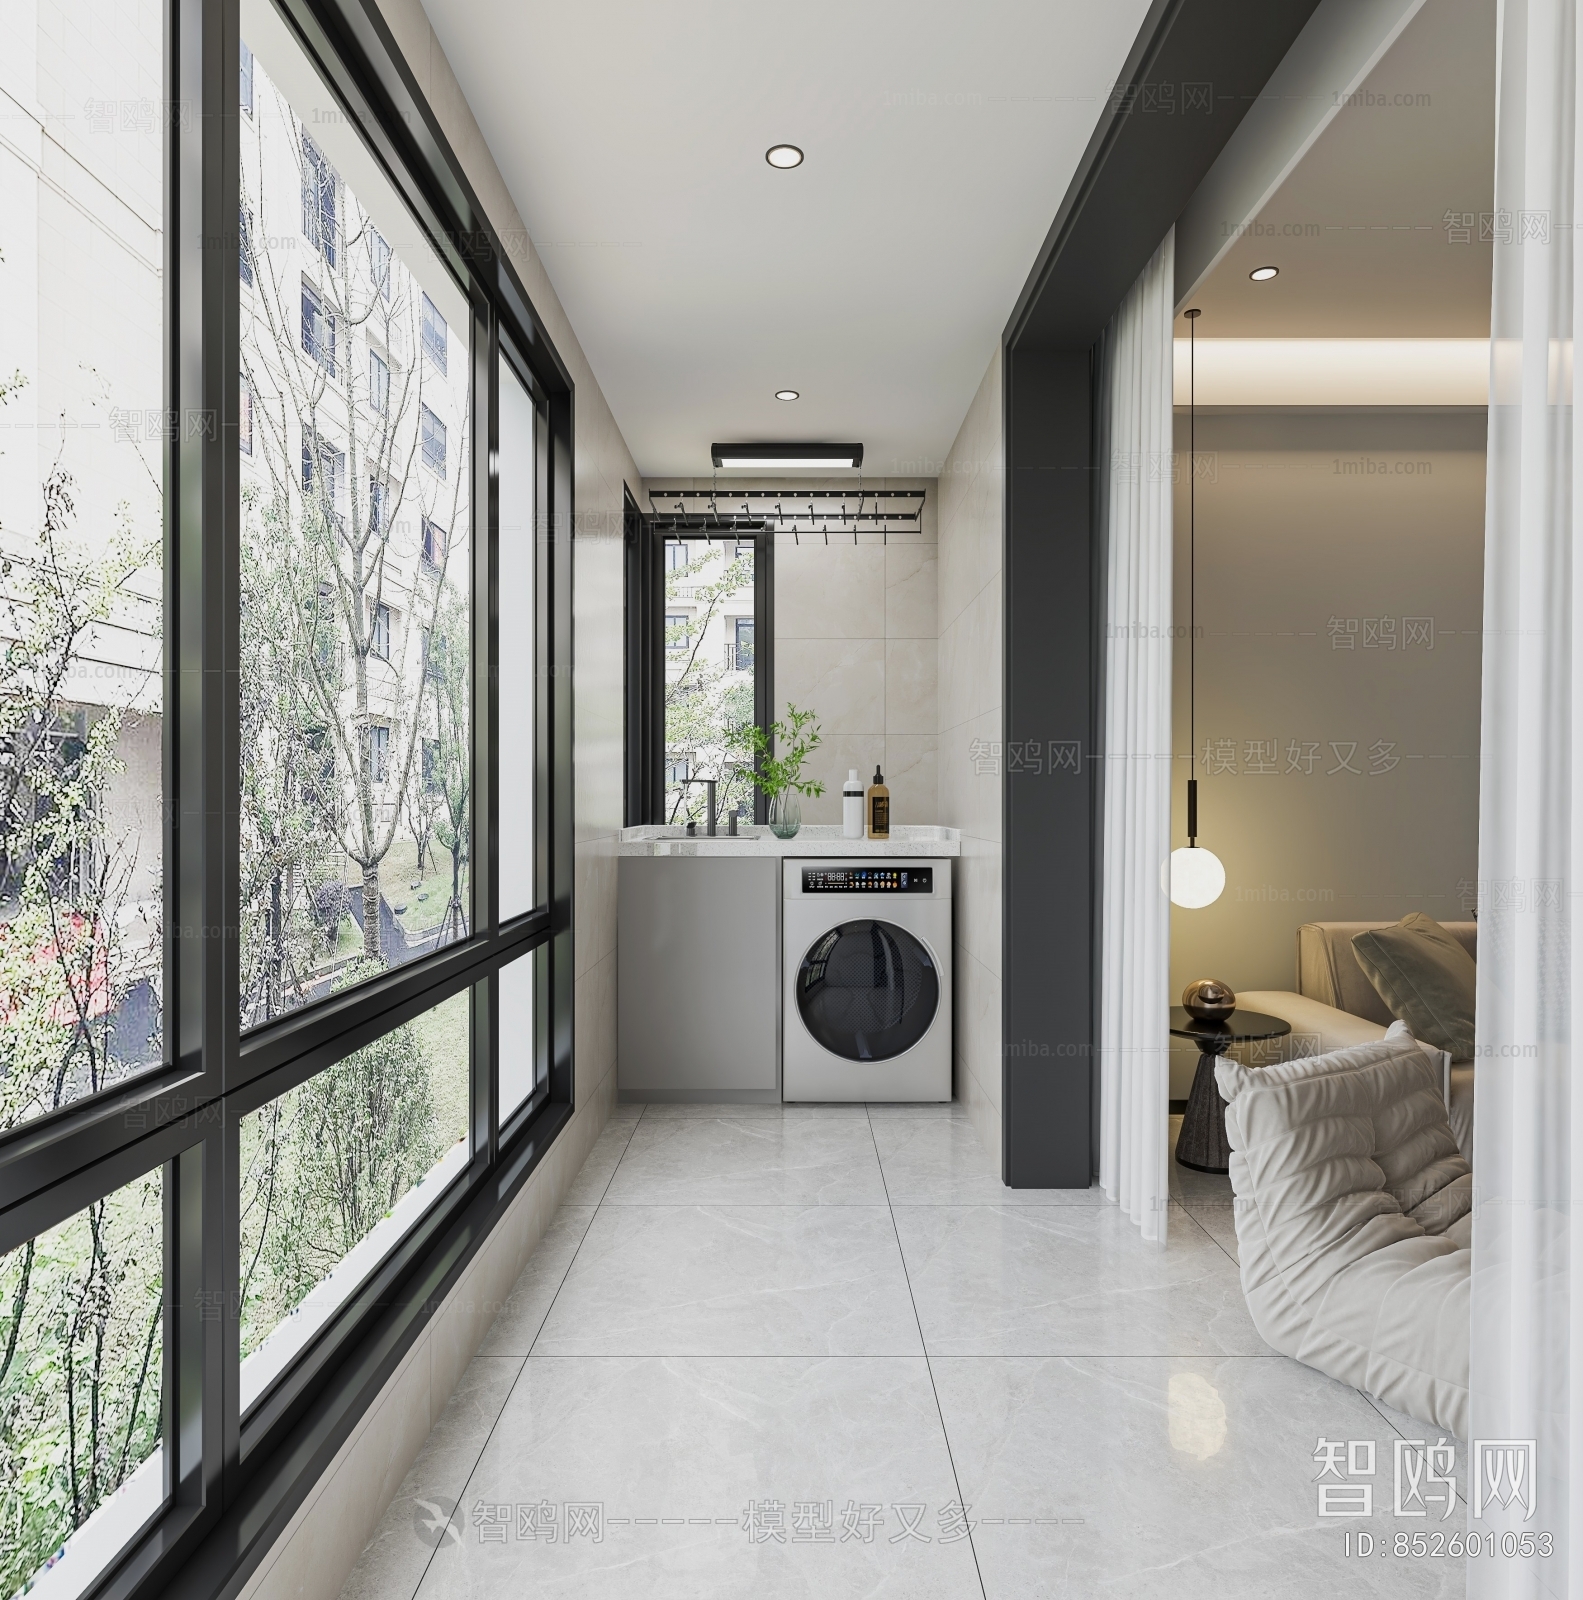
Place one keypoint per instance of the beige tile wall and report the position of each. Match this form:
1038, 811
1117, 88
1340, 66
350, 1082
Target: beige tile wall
969, 628
312, 1559
855, 641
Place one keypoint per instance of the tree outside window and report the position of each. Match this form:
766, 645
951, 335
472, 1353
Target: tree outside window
343, 865
708, 684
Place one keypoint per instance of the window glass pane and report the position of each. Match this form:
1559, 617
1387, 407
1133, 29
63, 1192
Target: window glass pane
518, 646
335, 1171
708, 677
81, 1360
356, 583
84, 427
521, 1071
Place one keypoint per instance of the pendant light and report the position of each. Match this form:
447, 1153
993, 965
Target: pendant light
1197, 877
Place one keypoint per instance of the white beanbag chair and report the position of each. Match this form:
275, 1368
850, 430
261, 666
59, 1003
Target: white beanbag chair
1354, 1217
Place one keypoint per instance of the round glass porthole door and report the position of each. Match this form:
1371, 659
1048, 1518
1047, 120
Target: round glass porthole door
868, 990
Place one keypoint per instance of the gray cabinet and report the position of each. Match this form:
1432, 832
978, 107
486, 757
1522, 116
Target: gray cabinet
698, 978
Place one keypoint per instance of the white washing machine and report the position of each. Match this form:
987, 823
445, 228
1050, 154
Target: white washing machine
866, 1005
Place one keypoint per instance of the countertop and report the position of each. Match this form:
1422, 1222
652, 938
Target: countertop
810, 840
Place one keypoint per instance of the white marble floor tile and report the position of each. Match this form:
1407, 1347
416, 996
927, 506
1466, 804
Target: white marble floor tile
394, 1560
593, 1178
1409, 1427
1188, 1184
1168, 1480
1068, 1280
941, 1161
778, 1108
878, 1109
736, 1160
520, 1318
735, 1280
677, 1455
1218, 1218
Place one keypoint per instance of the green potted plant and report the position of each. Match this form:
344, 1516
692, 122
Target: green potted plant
779, 778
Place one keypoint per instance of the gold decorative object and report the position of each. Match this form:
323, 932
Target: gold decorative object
1209, 1000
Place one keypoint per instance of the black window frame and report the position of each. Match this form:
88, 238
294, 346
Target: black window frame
431, 428
321, 207
234, 1481
378, 379
318, 328
434, 335
647, 565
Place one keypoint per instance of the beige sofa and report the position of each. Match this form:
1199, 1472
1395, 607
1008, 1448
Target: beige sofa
1336, 1006
1354, 1215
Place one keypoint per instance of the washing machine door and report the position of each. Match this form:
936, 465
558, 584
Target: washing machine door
868, 990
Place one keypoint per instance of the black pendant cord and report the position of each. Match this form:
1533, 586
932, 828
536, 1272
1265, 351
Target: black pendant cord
1192, 575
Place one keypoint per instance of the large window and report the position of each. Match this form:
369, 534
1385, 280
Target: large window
710, 693
360, 870
83, 414
519, 640
285, 778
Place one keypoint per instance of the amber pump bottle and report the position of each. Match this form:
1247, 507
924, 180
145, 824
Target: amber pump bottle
877, 807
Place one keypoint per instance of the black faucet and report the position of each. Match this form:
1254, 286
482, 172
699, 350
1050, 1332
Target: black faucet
709, 785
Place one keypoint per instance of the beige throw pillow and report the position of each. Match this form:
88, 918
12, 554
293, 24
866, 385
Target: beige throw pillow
1426, 978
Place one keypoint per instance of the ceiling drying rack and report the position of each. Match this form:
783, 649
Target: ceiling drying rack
718, 513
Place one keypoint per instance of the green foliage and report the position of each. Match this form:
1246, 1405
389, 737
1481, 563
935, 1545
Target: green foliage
62, 878
81, 1322
798, 738
705, 712
323, 1163
80, 1366
290, 802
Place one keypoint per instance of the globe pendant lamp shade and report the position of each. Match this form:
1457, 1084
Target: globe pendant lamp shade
1197, 877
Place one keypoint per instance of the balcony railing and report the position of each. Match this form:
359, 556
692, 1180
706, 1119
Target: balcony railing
739, 657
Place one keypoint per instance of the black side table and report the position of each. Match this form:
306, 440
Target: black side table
1202, 1144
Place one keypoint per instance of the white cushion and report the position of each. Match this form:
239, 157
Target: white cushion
1353, 1211
1318, 1028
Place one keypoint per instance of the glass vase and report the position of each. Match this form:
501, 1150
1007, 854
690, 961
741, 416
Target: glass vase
785, 814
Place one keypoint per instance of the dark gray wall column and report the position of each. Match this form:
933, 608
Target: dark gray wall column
1049, 888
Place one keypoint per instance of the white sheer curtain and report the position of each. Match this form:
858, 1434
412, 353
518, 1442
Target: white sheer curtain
1135, 913
1527, 1320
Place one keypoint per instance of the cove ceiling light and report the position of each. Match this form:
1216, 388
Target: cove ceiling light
775, 457
783, 155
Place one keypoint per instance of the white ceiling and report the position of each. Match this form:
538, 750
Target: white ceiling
1359, 228
876, 278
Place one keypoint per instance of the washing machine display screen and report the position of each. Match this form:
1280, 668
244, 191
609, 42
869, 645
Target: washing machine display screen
868, 880
868, 990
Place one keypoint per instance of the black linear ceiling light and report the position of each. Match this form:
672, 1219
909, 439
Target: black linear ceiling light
774, 457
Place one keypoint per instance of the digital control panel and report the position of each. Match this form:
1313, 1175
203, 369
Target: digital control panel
868, 880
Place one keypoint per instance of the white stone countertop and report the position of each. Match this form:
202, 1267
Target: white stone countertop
811, 839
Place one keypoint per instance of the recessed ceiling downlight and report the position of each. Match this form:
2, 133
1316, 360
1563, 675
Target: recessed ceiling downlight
1263, 274
783, 155
785, 394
